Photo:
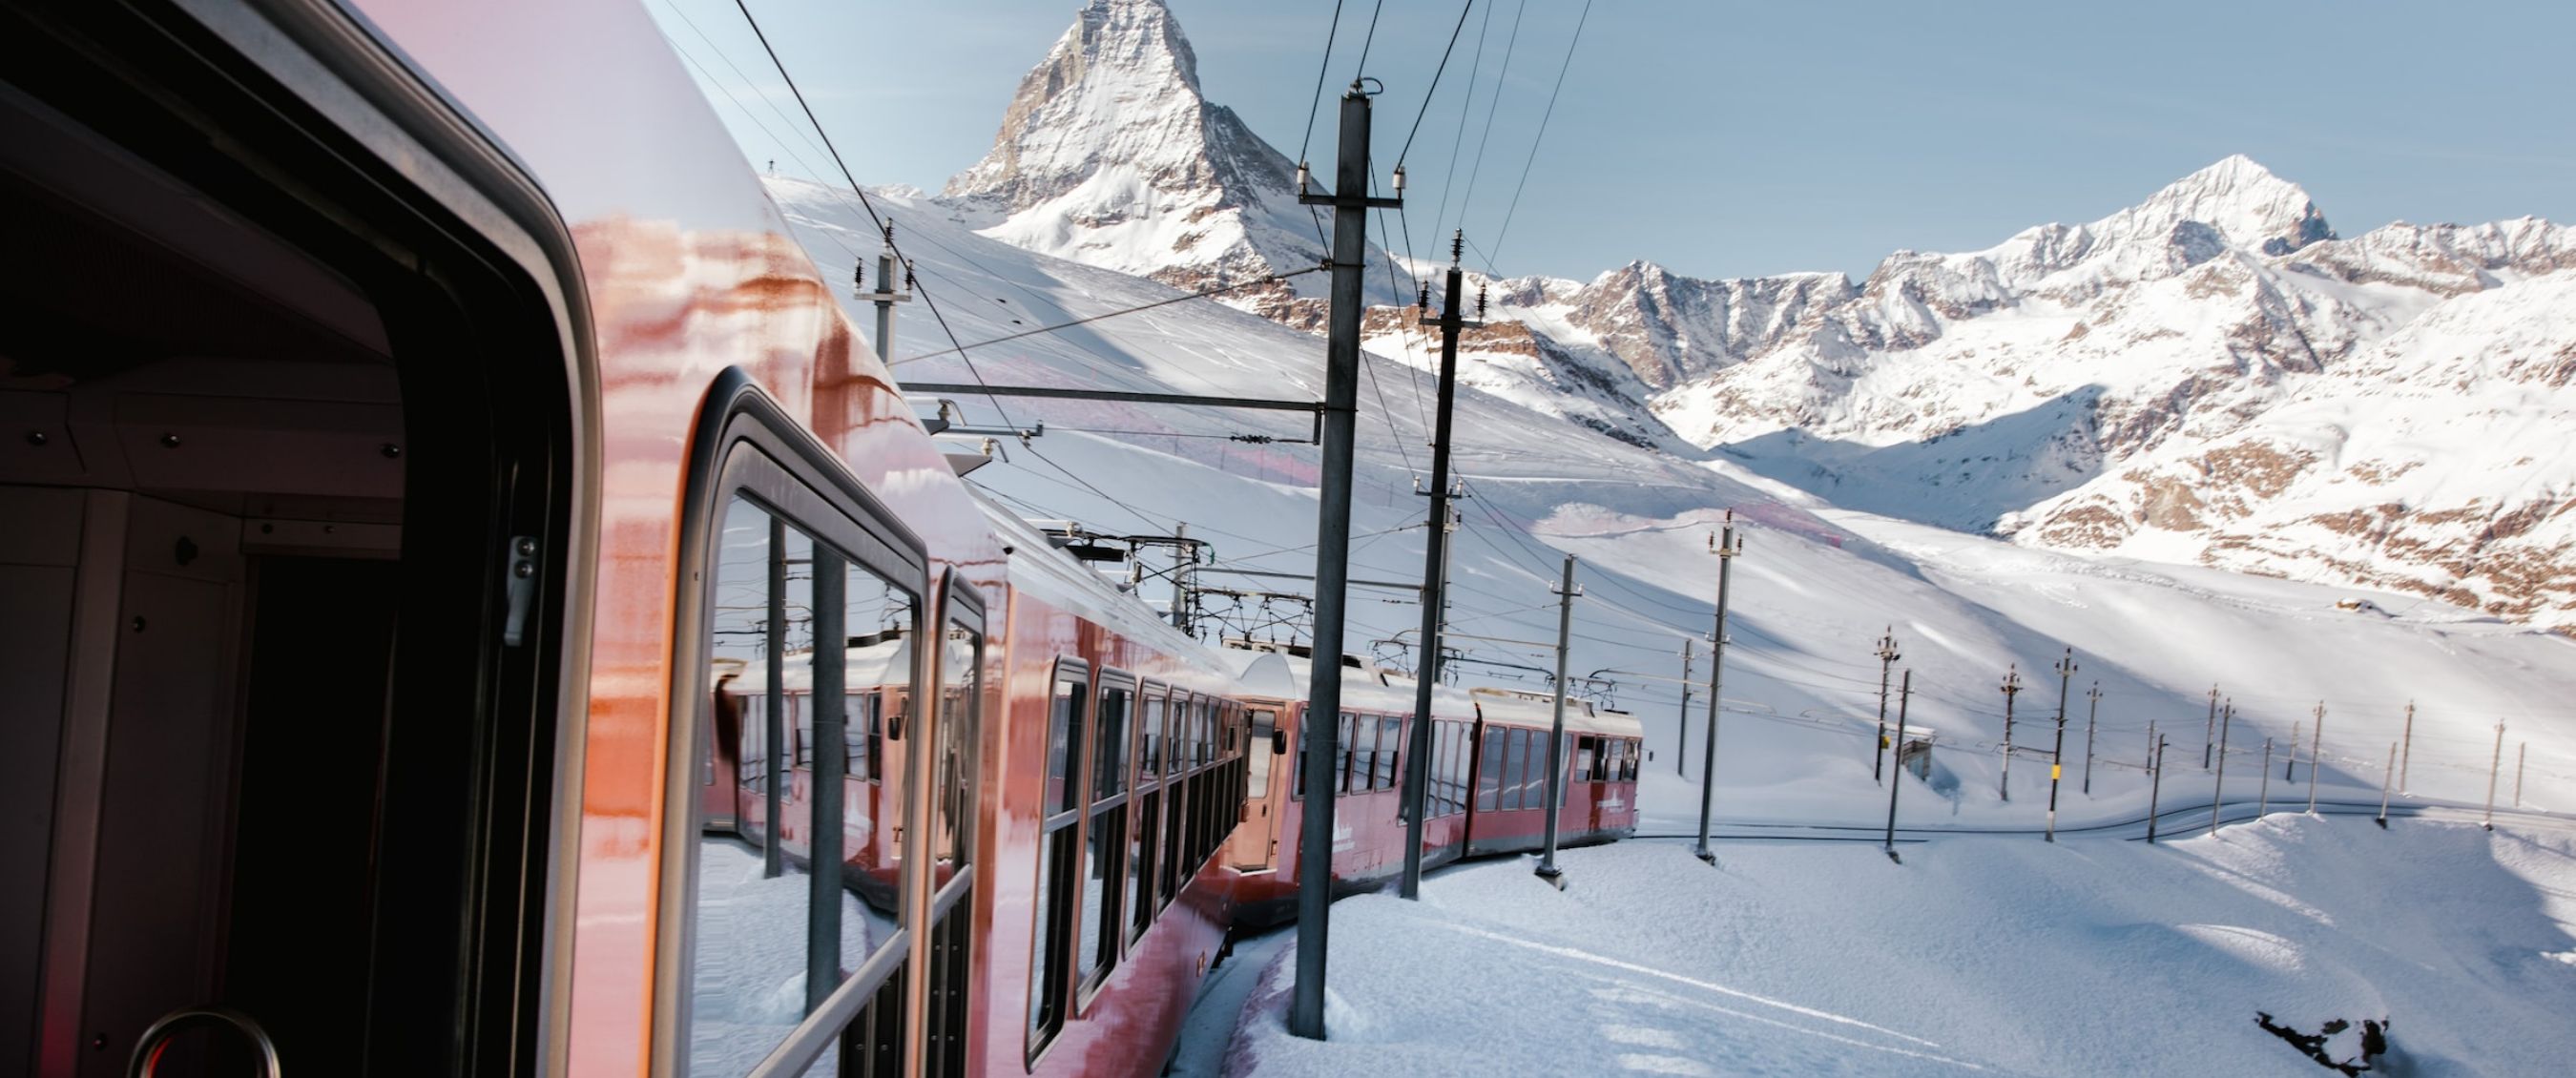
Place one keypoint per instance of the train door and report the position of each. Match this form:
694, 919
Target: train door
288, 524
1257, 843
955, 731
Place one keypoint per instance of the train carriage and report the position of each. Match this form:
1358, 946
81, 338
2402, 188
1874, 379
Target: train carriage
1487, 779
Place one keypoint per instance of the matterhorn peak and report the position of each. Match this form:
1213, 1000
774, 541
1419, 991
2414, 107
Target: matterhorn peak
1119, 90
2245, 202
1108, 155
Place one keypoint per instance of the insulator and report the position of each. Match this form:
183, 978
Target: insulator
1480, 303
1399, 179
859, 279
1457, 246
1302, 177
1423, 298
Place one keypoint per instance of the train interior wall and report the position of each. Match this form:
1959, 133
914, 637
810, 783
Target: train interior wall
203, 491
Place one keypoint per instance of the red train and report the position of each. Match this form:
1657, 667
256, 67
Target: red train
477, 607
1487, 791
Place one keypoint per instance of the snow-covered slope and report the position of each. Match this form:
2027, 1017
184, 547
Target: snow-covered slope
1816, 587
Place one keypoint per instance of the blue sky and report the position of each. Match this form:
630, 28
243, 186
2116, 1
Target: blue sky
1731, 139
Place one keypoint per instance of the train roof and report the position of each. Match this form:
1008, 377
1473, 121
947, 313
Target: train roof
1522, 708
1038, 568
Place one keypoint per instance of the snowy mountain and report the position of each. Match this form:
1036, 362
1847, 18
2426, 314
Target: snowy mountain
1110, 156
2210, 376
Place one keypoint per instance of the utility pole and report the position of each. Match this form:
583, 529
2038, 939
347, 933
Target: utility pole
2316, 747
2290, 770
2151, 744
1435, 585
1726, 548
2092, 712
2406, 747
774, 700
885, 297
2385, 782
1886, 656
2210, 738
1681, 724
2012, 688
2218, 787
2263, 789
1350, 202
1185, 561
1904, 693
2521, 755
2056, 756
2492, 768
2155, 788
1565, 593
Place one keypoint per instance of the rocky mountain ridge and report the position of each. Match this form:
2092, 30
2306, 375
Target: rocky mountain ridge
2212, 375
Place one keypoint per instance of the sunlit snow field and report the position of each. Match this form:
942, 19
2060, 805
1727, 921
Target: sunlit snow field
1998, 954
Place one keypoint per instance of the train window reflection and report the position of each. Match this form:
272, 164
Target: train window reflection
790, 892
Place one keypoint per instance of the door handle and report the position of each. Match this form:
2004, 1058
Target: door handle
147, 1051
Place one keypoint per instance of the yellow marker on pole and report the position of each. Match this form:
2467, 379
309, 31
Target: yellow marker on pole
2053, 773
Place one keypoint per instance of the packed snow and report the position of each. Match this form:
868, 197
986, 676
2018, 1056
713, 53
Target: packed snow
1987, 954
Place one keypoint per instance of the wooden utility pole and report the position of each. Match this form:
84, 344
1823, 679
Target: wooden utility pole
2155, 788
2406, 747
1565, 593
1726, 547
2263, 789
1904, 693
2521, 755
2209, 740
1350, 202
1887, 657
2385, 783
2057, 755
2218, 786
2492, 768
1681, 724
1435, 563
2092, 713
2012, 688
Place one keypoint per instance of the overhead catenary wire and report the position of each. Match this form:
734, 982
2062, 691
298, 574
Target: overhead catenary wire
1061, 326
844, 166
1504, 232
1434, 89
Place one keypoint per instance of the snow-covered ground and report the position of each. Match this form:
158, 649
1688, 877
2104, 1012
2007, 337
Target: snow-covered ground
1995, 954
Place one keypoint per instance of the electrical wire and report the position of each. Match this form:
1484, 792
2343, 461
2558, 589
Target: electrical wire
1059, 326
1504, 232
1436, 72
926, 300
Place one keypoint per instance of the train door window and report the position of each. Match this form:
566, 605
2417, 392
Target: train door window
788, 914
953, 742
1444, 764
1390, 740
1342, 752
1057, 887
1361, 732
1585, 748
1143, 853
1628, 762
1489, 770
1104, 856
1256, 753
1176, 799
1516, 769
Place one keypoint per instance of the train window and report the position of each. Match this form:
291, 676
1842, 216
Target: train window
1343, 750
960, 713
1143, 849
1256, 754
1104, 871
1585, 748
1517, 769
1628, 761
1390, 740
778, 923
862, 710
1489, 770
1056, 885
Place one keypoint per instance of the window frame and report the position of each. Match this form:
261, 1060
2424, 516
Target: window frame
1042, 1034
1112, 805
746, 445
